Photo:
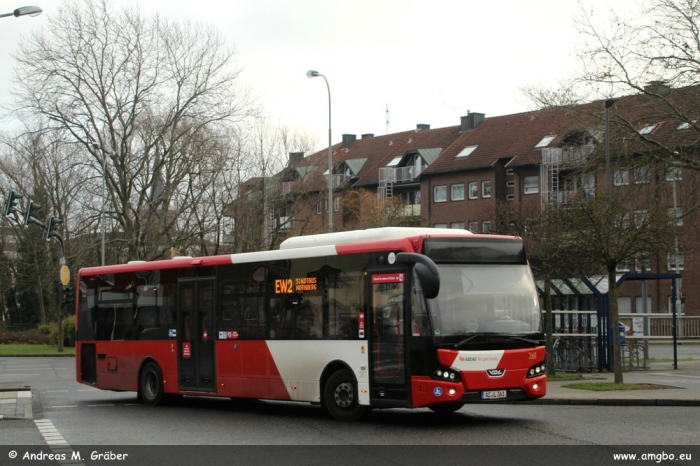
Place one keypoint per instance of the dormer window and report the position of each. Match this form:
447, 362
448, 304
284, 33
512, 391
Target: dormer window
648, 129
544, 142
394, 162
465, 152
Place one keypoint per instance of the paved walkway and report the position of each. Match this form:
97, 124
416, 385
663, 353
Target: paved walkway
668, 387
15, 403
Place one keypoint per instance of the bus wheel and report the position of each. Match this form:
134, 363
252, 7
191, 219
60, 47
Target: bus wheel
151, 384
446, 408
340, 397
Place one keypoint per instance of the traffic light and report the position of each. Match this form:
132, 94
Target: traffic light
68, 296
32, 207
11, 206
51, 225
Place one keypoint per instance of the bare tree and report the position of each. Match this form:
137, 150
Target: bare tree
142, 96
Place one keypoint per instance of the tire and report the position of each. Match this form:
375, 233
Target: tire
446, 408
341, 398
151, 385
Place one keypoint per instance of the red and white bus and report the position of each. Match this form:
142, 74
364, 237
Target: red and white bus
379, 318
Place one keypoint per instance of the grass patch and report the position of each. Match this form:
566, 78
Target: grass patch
666, 359
610, 386
33, 350
563, 377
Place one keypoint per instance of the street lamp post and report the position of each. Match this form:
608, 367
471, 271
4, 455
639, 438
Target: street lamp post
24, 11
104, 200
608, 103
314, 74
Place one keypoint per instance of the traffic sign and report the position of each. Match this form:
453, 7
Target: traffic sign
65, 275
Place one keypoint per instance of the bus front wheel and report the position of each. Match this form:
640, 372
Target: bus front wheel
341, 397
151, 384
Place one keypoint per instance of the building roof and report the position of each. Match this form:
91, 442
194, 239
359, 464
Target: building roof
520, 138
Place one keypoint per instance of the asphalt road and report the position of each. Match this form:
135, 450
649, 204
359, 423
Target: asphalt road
86, 416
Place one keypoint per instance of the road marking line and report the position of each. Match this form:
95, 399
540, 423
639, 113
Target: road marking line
56, 441
55, 391
65, 406
97, 406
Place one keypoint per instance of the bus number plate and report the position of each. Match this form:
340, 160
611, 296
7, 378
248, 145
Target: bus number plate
493, 395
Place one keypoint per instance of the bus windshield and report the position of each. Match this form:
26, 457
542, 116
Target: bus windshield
481, 298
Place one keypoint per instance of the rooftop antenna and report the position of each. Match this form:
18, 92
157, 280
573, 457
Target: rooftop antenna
387, 119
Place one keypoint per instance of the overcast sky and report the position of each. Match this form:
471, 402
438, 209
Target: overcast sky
427, 61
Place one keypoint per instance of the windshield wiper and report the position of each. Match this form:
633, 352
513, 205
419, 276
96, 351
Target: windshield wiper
493, 334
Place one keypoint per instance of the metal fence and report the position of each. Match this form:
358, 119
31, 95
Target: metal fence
576, 338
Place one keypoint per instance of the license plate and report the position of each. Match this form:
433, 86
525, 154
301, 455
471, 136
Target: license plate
493, 395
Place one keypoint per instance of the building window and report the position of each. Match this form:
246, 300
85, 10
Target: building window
440, 194
486, 227
440, 225
457, 225
473, 190
673, 259
623, 267
319, 207
641, 174
510, 197
531, 185
411, 197
675, 216
544, 142
648, 129
510, 184
474, 227
640, 218
485, 189
621, 177
510, 172
458, 192
465, 152
336, 204
674, 174
642, 263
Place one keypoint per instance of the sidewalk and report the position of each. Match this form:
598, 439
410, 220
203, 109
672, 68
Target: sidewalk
678, 387
15, 403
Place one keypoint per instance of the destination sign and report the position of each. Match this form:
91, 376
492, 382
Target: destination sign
295, 285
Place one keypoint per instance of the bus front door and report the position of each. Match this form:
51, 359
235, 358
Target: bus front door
195, 335
389, 377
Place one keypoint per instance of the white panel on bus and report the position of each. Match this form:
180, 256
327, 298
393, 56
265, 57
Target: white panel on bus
264, 256
301, 362
371, 234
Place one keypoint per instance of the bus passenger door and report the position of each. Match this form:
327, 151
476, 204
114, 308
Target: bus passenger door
389, 376
195, 334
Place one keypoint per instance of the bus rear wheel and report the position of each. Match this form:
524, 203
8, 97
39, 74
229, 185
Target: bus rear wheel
151, 384
340, 397
446, 408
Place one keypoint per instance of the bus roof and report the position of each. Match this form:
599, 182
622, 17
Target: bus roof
370, 234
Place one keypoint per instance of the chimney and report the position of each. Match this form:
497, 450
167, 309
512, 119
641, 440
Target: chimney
348, 139
471, 121
294, 157
422, 126
367, 135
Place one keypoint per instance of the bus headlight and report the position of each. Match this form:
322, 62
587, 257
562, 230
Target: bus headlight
447, 374
536, 371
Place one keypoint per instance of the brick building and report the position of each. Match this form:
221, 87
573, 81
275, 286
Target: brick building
459, 176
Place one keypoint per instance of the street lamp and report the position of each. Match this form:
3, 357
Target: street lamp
314, 74
104, 200
25, 10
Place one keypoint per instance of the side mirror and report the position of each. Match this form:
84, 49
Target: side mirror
426, 270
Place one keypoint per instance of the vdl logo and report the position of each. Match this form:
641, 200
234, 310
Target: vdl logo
496, 372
